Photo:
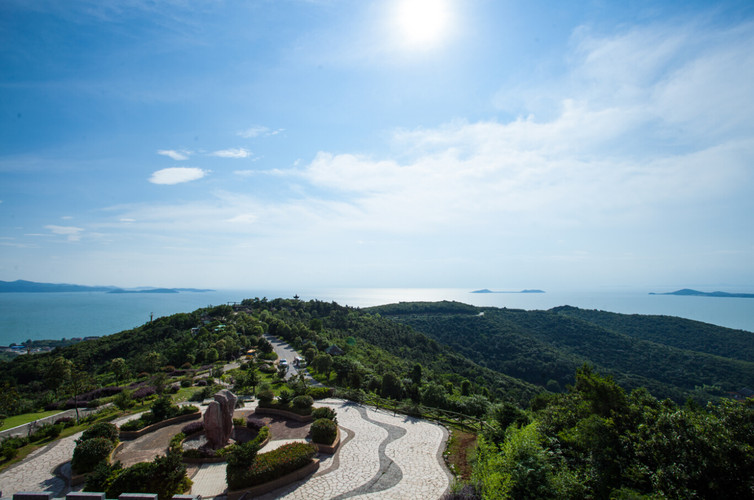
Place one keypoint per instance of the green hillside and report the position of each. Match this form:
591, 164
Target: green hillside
546, 347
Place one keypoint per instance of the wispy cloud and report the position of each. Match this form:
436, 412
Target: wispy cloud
176, 155
177, 175
73, 233
232, 153
259, 131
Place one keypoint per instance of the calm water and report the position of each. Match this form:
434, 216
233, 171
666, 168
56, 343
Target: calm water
58, 315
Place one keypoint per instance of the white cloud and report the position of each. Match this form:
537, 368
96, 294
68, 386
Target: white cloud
259, 131
176, 155
73, 233
232, 153
177, 175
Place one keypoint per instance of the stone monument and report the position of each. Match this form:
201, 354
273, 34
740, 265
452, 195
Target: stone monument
218, 419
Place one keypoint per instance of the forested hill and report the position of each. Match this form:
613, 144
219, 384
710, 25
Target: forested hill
672, 331
672, 357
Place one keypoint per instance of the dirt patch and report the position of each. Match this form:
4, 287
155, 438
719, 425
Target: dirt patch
459, 453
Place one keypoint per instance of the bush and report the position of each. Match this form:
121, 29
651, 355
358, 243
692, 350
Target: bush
238, 422
320, 392
324, 431
265, 368
265, 397
89, 453
133, 425
186, 410
103, 429
124, 400
193, 427
100, 477
271, 465
165, 476
303, 402
186, 383
324, 412
94, 403
285, 397
66, 421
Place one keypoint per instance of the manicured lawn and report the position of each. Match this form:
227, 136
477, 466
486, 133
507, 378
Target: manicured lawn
25, 418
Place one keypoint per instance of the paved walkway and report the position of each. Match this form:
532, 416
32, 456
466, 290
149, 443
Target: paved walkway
39, 470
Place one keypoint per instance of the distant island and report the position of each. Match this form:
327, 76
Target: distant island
697, 293
22, 286
486, 290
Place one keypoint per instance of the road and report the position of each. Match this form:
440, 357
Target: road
284, 351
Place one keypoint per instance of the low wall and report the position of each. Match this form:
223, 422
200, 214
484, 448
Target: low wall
128, 435
261, 489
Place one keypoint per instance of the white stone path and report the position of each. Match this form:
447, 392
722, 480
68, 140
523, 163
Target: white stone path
381, 456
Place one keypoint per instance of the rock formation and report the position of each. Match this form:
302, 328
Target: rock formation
218, 419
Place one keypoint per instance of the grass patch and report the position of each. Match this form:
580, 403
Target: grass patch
25, 418
460, 453
185, 394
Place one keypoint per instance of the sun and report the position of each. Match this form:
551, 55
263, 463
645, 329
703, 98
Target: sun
422, 23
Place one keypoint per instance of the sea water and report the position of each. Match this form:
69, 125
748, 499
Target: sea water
39, 316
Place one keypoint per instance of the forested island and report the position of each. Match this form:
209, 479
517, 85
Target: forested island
22, 286
696, 293
573, 403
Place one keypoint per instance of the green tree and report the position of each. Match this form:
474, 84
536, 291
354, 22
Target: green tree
392, 387
416, 374
119, 368
323, 363
58, 372
79, 383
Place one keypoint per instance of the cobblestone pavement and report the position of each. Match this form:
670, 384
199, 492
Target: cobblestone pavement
381, 456
39, 470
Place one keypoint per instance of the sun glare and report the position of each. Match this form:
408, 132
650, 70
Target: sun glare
422, 23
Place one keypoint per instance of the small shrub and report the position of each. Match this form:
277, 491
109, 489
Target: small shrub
175, 441
94, 403
285, 397
262, 436
124, 400
133, 425
89, 453
202, 382
324, 431
265, 397
187, 410
169, 368
185, 383
303, 402
47, 432
265, 368
103, 429
238, 422
186, 366
324, 412
320, 392
193, 427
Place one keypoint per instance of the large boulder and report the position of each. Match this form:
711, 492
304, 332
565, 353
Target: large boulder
218, 419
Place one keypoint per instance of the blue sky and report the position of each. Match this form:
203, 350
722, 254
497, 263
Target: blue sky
447, 143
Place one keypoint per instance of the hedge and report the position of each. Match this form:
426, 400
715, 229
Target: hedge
103, 429
272, 465
324, 431
89, 453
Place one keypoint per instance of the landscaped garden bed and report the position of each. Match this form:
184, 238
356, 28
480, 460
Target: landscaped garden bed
163, 413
